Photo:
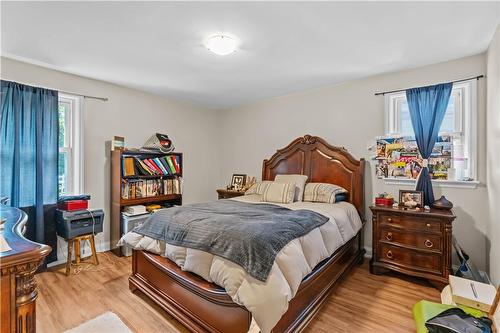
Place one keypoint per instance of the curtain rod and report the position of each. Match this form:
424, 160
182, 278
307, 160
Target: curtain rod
104, 99
456, 81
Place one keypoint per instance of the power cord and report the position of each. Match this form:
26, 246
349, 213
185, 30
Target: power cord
93, 221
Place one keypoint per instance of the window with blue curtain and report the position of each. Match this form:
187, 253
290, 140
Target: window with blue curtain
29, 156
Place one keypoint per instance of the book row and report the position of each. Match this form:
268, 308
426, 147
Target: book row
132, 189
163, 165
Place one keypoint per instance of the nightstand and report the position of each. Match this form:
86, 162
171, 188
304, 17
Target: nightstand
227, 194
416, 243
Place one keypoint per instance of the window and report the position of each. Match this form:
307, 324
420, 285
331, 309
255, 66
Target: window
459, 122
70, 167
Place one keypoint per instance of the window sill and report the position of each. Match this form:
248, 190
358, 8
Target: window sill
435, 182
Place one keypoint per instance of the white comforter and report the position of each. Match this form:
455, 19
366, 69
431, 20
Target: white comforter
266, 301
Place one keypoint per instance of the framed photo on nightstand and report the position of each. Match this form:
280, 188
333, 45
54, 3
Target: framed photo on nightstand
238, 181
411, 199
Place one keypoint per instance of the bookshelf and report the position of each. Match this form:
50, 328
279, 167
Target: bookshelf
120, 184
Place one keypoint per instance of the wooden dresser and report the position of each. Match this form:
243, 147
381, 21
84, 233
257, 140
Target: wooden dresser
227, 194
18, 266
412, 242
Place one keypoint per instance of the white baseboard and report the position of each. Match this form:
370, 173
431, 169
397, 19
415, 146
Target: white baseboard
368, 253
62, 250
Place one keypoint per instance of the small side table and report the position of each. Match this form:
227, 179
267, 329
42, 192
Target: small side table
227, 194
75, 242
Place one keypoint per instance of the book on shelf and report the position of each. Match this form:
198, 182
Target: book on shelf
128, 166
154, 166
176, 163
132, 190
165, 165
144, 188
150, 167
171, 164
160, 165
142, 167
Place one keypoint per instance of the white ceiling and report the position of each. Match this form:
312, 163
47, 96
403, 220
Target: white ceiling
285, 46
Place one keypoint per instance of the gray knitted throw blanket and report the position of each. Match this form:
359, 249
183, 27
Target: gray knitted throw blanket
250, 235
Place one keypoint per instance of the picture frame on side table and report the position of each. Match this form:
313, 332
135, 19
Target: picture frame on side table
238, 181
411, 199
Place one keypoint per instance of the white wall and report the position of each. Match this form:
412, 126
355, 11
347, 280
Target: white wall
350, 115
136, 116
493, 159
236, 141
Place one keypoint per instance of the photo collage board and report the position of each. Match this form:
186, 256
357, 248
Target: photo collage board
398, 157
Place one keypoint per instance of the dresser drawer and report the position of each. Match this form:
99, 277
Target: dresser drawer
413, 239
412, 259
410, 222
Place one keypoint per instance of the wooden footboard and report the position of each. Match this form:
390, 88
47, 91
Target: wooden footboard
205, 307
199, 305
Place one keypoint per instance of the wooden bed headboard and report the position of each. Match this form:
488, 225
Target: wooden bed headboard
322, 163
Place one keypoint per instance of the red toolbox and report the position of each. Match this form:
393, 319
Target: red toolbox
73, 205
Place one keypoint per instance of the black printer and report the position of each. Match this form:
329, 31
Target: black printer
71, 224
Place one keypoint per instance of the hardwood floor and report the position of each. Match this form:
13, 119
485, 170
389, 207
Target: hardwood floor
361, 303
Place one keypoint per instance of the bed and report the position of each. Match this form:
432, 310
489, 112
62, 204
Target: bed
203, 306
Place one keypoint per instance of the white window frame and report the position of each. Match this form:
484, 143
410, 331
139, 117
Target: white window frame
466, 122
74, 133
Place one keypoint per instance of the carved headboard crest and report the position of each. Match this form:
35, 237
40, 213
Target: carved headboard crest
307, 139
322, 163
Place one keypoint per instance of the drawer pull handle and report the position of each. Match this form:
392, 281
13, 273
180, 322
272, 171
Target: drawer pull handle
389, 220
428, 225
389, 236
428, 243
390, 255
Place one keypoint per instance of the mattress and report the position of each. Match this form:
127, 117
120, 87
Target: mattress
267, 301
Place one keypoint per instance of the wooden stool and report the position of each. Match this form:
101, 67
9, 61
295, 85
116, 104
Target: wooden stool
76, 243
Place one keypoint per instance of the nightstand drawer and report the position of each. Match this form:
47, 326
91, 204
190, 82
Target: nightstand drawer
410, 222
411, 259
413, 239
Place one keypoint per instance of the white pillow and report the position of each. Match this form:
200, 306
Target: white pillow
279, 193
300, 183
322, 192
258, 188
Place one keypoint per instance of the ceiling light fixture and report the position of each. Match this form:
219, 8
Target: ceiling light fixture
221, 44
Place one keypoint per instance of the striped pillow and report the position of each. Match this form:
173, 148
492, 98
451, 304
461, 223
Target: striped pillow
300, 183
258, 188
322, 192
279, 193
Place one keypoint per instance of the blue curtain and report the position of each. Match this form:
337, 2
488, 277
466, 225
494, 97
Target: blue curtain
29, 153
427, 109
